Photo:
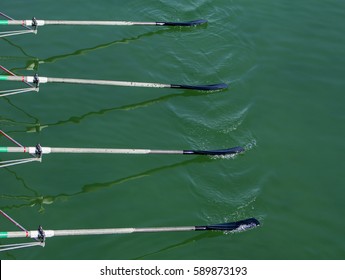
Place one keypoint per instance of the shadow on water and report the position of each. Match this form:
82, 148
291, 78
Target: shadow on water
186, 242
37, 126
37, 199
33, 63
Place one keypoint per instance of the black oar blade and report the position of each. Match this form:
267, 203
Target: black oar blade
213, 87
186, 23
233, 226
230, 151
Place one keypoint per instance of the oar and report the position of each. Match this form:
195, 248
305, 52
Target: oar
41, 234
38, 80
38, 150
35, 22
31, 25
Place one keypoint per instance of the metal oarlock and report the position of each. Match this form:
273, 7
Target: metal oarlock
38, 151
41, 234
34, 23
36, 80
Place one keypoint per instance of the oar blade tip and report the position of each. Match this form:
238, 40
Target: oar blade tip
198, 22
232, 151
213, 87
237, 226
221, 152
186, 23
217, 87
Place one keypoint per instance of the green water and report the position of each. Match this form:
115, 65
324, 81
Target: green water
284, 62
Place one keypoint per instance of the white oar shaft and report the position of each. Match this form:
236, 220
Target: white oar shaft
112, 151
78, 22
95, 22
106, 83
48, 150
31, 79
80, 232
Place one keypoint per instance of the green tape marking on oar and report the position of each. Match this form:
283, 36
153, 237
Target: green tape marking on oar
3, 235
3, 150
3, 22
3, 78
